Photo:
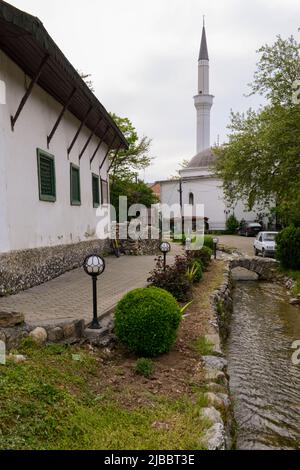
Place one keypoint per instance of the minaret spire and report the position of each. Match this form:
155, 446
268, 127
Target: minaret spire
203, 100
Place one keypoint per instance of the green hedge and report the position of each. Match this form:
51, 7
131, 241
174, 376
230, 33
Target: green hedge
288, 247
146, 320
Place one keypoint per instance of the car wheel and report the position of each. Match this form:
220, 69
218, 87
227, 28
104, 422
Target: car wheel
255, 252
264, 253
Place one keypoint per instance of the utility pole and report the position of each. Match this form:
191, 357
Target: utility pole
181, 206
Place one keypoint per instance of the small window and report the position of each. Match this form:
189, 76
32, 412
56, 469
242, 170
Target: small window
46, 175
191, 199
75, 185
96, 191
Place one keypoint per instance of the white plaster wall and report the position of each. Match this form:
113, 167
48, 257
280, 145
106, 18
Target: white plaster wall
29, 222
209, 192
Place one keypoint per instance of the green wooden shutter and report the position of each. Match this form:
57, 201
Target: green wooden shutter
75, 186
96, 191
46, 172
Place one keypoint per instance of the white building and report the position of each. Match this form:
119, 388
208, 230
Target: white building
55, 137
199, 184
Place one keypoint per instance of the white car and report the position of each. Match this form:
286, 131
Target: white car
265, 244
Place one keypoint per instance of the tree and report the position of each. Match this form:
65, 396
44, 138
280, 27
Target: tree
136, 193
261, 161
136, 157
125, 167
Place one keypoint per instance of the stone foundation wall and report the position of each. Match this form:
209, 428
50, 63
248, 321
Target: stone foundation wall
20, 270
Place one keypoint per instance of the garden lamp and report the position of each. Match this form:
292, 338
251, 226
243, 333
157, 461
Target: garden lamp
94, 266
165, 248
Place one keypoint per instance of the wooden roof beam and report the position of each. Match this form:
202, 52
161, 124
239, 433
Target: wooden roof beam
28, 92
66, 105
89, 139
79, 129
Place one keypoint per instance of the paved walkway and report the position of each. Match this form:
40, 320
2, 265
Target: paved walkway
242, 244
69, 296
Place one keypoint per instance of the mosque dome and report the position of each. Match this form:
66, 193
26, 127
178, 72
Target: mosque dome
204, 159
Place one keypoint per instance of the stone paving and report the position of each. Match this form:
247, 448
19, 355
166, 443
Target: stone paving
69, 297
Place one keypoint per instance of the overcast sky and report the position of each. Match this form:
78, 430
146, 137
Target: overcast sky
142, 55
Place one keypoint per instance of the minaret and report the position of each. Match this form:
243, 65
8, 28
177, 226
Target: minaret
203, 101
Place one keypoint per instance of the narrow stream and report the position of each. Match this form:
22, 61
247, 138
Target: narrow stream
264, 383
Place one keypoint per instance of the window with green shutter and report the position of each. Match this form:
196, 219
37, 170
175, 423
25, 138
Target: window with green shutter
96, 190
46, 175
75, 185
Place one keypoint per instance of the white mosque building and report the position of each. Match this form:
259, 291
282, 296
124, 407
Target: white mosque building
198, 182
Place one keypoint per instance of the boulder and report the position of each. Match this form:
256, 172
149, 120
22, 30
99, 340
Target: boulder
55, 335
11, 319
215, 341
214, 362
17, 358
215, 437
295, 301
68, 330
213, 415
214, 375
39, 335
215, 400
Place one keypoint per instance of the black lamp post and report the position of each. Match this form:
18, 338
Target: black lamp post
215, 241
165, 248
94, 266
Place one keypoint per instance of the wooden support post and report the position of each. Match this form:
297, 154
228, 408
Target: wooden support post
28, 92
79, 129
89, 139
99, 145
106, 155
66, 105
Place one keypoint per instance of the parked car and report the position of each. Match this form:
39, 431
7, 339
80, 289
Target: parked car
249, 229
265, 244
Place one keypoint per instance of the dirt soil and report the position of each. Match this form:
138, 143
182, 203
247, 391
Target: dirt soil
173, 371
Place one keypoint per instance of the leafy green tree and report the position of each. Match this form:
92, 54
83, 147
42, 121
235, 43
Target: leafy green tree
136, 157
124, 170
261, 161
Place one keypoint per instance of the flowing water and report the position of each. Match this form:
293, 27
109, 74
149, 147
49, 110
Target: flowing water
264, 383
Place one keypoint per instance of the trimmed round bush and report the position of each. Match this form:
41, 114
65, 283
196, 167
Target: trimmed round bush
147, 320
288, 247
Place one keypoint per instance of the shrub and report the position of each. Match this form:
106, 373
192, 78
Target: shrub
288, 247
146, 320
203, 256
195, 272
174, 279
232, 224
209, 241
145, 367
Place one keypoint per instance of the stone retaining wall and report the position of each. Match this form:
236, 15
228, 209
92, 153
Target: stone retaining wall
219, 409
20, 270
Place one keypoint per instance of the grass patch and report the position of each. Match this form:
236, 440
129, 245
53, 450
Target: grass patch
203, 347
50, 402
293, 274
145, 367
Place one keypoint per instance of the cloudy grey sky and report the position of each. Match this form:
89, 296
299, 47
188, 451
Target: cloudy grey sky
142, 55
